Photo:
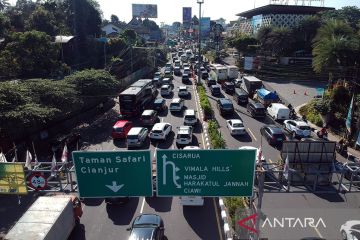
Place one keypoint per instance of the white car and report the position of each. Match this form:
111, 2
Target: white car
350, 230
183, 92
184, 135
259, 155
191, 148
160, 131
235, 126
176, 105
190, 117
187, 70
165, 90
297, 128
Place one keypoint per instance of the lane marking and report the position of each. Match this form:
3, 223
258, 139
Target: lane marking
217, 220
318, 233
142, 205
162, 119
252, 134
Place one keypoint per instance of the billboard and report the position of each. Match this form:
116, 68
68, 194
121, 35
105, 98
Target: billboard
186, 16
256, 22
144, 10
205, 27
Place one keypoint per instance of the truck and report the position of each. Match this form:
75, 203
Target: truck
233, 72
250, 84
219, 73
48, 218
266, 97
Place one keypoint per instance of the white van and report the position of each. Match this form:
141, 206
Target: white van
190, 117
278, 111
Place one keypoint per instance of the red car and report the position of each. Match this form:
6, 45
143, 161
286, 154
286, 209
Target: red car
121, 129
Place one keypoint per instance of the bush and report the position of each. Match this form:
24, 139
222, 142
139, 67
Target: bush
204, 101
232, 204
217, 141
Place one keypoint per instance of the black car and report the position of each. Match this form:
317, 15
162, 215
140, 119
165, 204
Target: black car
273, 134
215, 90
256, 110
228, 87
117, 200
210, 82
159, 104
225, 106
147, 226
204, 74
185, 78
241, 96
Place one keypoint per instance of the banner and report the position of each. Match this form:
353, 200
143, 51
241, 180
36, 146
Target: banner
144, 10
205, 27
187, 16
349, 115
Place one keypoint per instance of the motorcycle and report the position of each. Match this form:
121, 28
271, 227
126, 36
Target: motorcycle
322, 134
341, 148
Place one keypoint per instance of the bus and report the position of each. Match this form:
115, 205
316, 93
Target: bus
137, 97
219, 72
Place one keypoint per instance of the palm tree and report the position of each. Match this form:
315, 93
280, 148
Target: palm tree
335, 46
263, 36
281, 40
4, 4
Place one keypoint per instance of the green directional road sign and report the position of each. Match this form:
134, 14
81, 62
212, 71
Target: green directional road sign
205, 172
113, 173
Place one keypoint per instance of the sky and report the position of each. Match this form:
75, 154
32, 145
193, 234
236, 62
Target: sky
170, 11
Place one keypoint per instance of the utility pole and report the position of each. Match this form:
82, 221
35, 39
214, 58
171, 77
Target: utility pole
200, 57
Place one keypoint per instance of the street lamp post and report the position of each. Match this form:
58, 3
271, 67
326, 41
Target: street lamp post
199, 54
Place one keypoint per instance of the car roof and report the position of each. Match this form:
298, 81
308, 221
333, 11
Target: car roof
135, 130
184, 130
147, 219
301, 123
159, 126
142, 232
191, 148
185, 74
274, 129
159, 100
183, 87
120, 123
258, 105
148, 112
224, 100
165, 86
229, 83
215, 86
176, 100
235, 120
189, 112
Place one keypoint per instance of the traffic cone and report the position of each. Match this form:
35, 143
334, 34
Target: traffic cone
305, 93
294, 91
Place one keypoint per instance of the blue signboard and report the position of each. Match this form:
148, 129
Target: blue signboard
186, 14
205, 26
256, 22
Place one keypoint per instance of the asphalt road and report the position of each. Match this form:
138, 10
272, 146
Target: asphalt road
101, 221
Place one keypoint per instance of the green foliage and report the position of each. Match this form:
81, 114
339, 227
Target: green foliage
349, 14
28, 55
114, 18
94, 83
217, 141
243, 43
232, 204
204, 101
43, 21
4, 25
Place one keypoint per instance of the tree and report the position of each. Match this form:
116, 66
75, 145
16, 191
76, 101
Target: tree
263, 36
349, 14
150, 25
4, 25
335, 45
43, 21
92, 83
281, 41
4, 4
129, 36
29, 54
114, 19
243, 43
176, 25
305, 32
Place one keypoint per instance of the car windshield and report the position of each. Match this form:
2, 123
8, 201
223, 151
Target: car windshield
146, 116
174, 104
118, 129
132, 136
304, 128
227, 105
183, 136
238, 125
156, 131
278, 135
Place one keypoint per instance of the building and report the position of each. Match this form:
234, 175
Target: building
275, 15
113, 29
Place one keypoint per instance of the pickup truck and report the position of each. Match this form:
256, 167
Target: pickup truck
48, 218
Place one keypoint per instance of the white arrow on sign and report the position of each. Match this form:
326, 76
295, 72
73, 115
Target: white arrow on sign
114, 187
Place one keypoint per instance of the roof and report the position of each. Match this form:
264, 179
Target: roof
189, 112
184, 130
159, 126
120, 123
147, 219
182, 88
279, 105
266, 94
301, 123
274, 129
147, 112
63, 39
135, 130
283, 9
159, 100
176, 100
236, 121
225, 100
258, 105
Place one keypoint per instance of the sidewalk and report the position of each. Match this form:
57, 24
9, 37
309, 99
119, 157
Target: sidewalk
331, 136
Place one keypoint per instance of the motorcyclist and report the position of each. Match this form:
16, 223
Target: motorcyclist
322, 133
342, 145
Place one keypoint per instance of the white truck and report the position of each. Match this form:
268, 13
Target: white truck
233, 72
48, 218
